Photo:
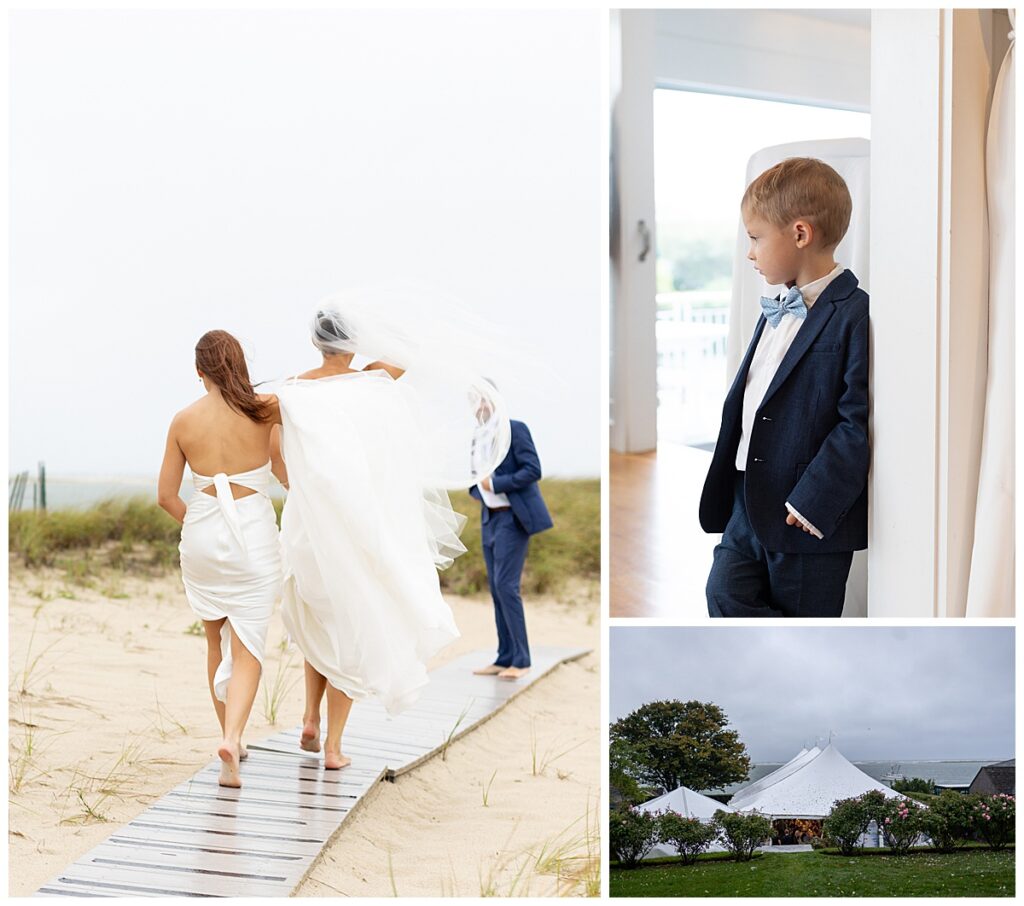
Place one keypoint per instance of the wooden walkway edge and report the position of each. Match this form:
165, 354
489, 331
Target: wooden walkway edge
201, 839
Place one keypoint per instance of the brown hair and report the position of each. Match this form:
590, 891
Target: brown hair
802, 188
219, 356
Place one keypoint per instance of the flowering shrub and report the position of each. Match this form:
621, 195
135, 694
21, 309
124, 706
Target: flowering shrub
742, 834
847, 821
995, 817
902, 824
875, 804
950, 820
631, 834
688, 835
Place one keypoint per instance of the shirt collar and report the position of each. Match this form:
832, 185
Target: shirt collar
816, 287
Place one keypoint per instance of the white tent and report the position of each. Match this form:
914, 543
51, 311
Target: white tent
689, 804
807, 786
785, 770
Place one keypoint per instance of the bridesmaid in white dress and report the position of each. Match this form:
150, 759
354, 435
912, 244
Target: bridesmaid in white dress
364, 531
230, 548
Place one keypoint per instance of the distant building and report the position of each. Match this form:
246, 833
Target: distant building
995, 778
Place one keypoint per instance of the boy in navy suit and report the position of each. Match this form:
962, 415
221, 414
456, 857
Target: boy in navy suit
788, 479
511, 510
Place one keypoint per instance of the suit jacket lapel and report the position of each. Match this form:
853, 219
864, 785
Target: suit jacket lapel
740, 380
817, 318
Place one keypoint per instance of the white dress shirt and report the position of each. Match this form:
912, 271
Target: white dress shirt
771, 350
491, 500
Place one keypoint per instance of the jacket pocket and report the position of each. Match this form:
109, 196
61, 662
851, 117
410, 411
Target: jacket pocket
825, 349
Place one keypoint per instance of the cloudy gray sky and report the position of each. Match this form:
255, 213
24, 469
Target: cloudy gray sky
174, 171
886, 693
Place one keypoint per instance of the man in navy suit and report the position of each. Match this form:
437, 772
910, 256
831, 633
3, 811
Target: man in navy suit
512, 509
788, 479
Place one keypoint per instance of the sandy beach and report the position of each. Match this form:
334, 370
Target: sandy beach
109, 709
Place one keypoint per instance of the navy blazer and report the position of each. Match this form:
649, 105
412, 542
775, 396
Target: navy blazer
517, 478
809, 442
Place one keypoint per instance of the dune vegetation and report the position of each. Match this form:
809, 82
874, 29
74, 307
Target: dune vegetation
136, 536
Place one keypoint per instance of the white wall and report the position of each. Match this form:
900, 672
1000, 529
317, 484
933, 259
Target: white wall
634, 387
933, 73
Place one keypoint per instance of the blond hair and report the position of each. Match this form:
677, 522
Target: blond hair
802, 188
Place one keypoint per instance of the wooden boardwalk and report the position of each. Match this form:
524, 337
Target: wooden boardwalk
202, 839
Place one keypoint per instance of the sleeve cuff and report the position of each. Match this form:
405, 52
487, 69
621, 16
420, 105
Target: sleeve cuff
804, 522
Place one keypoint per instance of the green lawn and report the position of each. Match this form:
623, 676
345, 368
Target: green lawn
977, 872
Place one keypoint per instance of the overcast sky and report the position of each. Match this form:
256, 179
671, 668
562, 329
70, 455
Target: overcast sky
886, 693
177, 171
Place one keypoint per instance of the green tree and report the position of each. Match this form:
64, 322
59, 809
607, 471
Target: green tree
625, 790
673, 743
697, 264
914, 785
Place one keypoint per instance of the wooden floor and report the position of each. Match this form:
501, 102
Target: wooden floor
205, 840
660, 557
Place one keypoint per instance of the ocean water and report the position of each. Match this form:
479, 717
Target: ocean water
944, 773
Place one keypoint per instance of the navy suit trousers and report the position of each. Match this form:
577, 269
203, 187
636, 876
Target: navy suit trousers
748, 581
505, 543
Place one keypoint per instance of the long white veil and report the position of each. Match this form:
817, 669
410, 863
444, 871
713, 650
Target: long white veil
445, 351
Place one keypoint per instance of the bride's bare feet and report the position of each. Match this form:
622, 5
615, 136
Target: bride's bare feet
335, 760
229, 768
309, 741
243, 753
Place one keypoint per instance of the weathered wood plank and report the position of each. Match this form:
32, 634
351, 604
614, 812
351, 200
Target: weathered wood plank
201, 839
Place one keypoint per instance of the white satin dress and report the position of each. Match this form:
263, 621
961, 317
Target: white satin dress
231, 561
362, 538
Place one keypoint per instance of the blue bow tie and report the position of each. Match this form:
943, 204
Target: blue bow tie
791, 303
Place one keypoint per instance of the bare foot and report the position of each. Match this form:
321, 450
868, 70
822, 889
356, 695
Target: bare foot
513, 673
243, 753
229, 772
309, 741
489, 670
335, 760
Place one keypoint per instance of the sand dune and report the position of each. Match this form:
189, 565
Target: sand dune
109, 709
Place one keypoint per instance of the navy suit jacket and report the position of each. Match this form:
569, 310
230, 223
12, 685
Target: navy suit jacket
517, 477
809, 442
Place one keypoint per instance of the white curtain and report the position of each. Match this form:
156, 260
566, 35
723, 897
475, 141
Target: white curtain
991, 587
850, 158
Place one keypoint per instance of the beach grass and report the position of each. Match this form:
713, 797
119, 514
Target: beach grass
118, 533
133, 535
973, 872
572, 549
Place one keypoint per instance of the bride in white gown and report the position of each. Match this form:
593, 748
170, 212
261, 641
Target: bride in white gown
230, 553
364, 528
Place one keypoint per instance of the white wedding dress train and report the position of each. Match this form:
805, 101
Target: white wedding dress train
231, 561
362, 537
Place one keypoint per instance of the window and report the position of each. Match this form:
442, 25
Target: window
702, 143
